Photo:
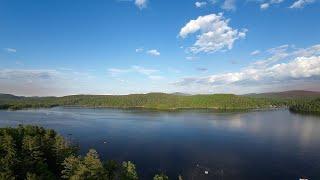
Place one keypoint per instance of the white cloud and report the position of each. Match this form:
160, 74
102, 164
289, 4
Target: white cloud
212, 1
139, 50
229, 5
307, 52
215, 33
150, 73
143, 70
200, 4
115, 71
28, 74
152, 77
264, 6
43, 82
298, 66
278, 49
141, 4
255, 52
202, 69
10, 50
276, 54
153, 52
191, 57
276, 1
301, 3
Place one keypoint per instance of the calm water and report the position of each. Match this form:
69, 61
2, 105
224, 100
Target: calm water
251, 145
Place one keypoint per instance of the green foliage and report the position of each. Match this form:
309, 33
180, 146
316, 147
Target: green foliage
111, 167
151, 100
30, 152
160, 177
312, 106
34, 153
90, 167
128, 171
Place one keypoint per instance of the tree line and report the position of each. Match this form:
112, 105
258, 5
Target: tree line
151, 100
162, 101
312, 106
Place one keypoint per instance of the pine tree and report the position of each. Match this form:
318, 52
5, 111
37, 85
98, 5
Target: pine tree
128, 171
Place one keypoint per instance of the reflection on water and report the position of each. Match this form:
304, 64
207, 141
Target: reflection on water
246, 145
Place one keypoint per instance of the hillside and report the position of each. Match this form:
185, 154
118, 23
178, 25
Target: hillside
164, 101
312, 106
8, 97
287, 94
150, 100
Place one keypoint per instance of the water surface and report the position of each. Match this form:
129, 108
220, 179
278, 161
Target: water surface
249, 145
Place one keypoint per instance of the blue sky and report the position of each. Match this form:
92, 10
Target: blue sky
66, 47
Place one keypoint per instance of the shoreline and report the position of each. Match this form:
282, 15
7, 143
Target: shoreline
176, 109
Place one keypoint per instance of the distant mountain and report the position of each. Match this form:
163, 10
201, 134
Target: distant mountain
287, 94
9, 97
180, 94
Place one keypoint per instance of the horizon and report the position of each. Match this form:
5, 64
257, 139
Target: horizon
173, 93
121, 47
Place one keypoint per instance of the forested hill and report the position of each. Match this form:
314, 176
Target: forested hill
287, 94
4, 97
164, 101
150, 100
312, 106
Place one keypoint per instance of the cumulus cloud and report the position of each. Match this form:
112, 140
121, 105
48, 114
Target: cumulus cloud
10, 50
229, 5
215, 33
141, 4
200, 4
153, 52
297, 66
301, 3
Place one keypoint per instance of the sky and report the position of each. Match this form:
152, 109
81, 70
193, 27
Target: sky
64, 47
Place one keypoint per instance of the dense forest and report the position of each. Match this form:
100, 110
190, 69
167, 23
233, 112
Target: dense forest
35, 153
312, 106
151, 100
162, 101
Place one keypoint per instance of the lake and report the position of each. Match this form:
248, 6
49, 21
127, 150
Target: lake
273, 144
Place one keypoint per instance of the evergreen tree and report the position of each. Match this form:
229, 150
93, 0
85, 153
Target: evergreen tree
128, 171
111, 168
160, 177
